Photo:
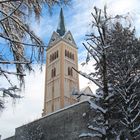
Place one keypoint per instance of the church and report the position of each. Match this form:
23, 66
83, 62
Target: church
60, 78
63, 118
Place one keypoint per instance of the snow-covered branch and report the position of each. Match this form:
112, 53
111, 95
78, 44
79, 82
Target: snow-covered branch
88, 77
136, 116
79, 94
97, 129
90, 135
15, 62
12, 11
13, 73
9, 92
136, 129
96, 107
4, 1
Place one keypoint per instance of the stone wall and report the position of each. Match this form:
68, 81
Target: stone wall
11, 138
66, 124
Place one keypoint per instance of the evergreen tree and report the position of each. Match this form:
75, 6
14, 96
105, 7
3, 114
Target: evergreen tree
123, 59
114, 48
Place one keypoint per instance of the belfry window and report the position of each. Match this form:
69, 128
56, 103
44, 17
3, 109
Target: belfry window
69, 54
57, 54
66, 53
53, 72
70, 72
53, 56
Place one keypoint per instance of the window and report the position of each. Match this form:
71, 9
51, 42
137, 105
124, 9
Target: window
69, 54
65, 52
57, 54
53, 56
70, 72
53, 72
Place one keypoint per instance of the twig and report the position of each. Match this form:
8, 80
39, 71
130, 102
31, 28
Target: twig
16, 41
14, 62
8, 1
12, 12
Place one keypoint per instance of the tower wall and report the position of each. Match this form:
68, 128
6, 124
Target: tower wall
60, 78
58, 88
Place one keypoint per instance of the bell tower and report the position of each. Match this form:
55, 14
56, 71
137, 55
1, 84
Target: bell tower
60, 78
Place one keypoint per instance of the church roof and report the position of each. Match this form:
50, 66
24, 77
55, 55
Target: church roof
61, 26
61, 34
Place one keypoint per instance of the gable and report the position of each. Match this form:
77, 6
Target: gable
54, 38
69, 38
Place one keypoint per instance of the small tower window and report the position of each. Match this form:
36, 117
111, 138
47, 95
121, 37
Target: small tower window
53, 72
50, 58
53, 56
68, 54
57, 54
65, 52
70, 72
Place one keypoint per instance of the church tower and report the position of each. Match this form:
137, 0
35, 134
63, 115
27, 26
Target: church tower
60, 78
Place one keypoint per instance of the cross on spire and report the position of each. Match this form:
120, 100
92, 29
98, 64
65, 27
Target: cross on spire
61, 26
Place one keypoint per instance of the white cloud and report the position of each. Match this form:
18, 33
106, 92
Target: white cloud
26, 109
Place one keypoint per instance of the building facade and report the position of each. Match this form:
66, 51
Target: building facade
60, 78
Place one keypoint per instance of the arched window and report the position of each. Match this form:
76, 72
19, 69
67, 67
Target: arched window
50, 58
68, 54
70, 72
54, 56
57, 54
65, 52
53, 72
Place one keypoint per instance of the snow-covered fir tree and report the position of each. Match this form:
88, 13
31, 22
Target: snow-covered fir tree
114, 49
123, 59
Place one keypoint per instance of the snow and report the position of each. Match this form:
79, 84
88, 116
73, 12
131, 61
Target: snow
96, 107
136, 116
84, 114
89, 135
137, 128
100, 130
90, 78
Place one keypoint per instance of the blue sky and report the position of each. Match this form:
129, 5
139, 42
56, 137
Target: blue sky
77, 20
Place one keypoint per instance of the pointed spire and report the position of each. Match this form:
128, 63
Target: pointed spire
61, 26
